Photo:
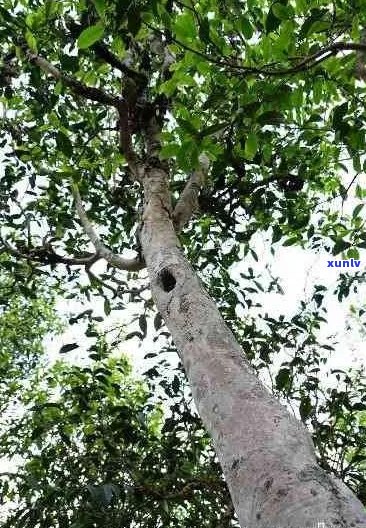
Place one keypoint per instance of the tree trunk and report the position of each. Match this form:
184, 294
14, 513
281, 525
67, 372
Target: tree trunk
266, 454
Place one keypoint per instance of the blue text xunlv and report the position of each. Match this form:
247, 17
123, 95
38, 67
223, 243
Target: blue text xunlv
344, 263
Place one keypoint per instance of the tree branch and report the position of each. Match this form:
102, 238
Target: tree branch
152, 132
305, 64
98, 95
324, 53
125, 142
103, 52
187, 204
360, 69
114, 260
95, 94
46, 255
120, 290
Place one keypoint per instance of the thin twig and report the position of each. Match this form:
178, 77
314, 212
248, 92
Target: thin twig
306, 63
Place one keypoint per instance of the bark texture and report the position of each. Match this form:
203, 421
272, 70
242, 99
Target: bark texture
266, 454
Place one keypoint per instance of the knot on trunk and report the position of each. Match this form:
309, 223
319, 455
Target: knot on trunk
166, 280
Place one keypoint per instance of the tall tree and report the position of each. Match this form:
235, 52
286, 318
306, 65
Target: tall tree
149, 110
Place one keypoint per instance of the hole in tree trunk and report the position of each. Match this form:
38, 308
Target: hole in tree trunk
166, 280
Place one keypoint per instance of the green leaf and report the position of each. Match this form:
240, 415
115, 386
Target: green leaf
271, 116
31, 41
246, 28
277, 234
204, 30
107, 307
272, 22
251, 146
338, 115
307, 27
353, 253
134, 21
90, 35
185, 27
213, 129
6, 16
64, 144
291, 241
134, 334
319, 26
175, 384
305, 407
282, 378
58, 88
169, 151
143, 324
339, 246
282, 12
188, 127
356, 210
100, 6
158, 321
67, 348
50, 8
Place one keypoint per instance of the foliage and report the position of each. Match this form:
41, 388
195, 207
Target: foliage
100, 448
100, 451
268, 93
24, 322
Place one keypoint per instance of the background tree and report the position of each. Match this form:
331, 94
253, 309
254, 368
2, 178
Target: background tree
26, 316
259, 108
99, 452
95, 447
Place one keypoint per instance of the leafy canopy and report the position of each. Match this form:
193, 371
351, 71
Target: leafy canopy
273, 94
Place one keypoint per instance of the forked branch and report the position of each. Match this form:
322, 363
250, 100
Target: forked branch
45, 254
305, 63
134, 264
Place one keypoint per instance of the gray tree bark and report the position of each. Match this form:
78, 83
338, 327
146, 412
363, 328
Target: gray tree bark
266, 454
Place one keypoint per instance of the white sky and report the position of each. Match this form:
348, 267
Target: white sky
298, 271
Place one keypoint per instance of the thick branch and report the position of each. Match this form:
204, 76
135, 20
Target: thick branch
98, 95
152, 131
266, 455
361, 59
125, 142
323, 54
95, 94
187, 204
114, 260
104, 53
